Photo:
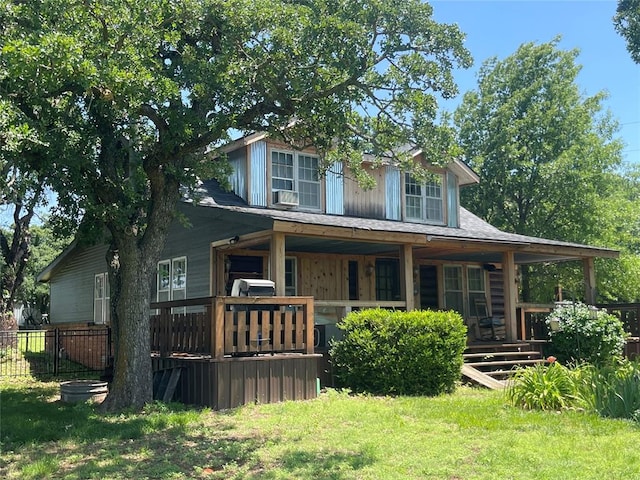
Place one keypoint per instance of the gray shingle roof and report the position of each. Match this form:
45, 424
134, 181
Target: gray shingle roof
471, 228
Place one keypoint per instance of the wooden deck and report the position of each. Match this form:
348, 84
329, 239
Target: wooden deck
237, 350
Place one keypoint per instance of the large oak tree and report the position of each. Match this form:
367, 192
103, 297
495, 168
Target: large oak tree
546, 154
627, 24
145, 90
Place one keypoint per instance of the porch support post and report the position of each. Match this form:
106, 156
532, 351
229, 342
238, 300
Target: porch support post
406, 261
220, 276
510, 295
277, 262
588, 268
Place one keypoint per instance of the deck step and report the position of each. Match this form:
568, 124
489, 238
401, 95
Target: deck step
487, 355
500, 360
498, 347
506, 363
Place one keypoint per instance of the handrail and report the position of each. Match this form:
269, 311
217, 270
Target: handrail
235, 326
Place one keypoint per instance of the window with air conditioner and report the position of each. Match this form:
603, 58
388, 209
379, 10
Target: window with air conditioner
295, 179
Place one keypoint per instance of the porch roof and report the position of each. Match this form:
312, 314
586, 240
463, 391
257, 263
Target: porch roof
474, 240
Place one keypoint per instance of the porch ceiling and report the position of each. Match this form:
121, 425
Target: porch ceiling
322, 245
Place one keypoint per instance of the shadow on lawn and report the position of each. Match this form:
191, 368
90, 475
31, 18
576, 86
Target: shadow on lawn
166, 441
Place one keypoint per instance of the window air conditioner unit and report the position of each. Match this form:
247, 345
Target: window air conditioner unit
286, 198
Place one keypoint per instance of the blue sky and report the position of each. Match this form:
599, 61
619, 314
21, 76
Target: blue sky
499, 27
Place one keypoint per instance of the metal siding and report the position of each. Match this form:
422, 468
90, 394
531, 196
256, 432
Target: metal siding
366, 203
452, 200
238, 179
258, 182
334, 182
393, 193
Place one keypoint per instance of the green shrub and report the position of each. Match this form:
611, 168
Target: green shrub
582, 334
400, 353
612, 390
544, 387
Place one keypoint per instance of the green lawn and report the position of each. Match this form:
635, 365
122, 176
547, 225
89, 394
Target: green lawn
469, 435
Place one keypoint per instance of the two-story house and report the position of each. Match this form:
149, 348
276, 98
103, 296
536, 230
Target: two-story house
403, 244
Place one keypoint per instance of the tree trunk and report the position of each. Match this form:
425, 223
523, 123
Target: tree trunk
132, 381
132, 261
15, 254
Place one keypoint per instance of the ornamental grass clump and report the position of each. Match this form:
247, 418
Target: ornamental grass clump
583, 334
544, 387
612, 390
399, 353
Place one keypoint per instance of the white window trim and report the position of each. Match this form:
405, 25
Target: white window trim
466, 291
171, 290
105, 299
424, 197
296, 177
159, 289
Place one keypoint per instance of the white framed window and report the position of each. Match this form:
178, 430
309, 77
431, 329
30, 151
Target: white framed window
453, 288
476, 292
290, 276
296, 172
101, 299
424, 201
164, 281
172, 280
465, 290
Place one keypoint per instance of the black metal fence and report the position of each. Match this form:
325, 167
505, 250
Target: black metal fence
56, 352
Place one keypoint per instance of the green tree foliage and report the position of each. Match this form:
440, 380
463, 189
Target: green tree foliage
142, 93
627, 24
400, 353
546, 155
46, 245
22, 194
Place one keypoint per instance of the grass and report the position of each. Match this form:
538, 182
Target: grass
471, 434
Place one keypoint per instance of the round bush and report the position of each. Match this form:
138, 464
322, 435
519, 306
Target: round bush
580, 333
400, 353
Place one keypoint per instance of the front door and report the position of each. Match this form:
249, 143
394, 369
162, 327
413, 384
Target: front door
428, 287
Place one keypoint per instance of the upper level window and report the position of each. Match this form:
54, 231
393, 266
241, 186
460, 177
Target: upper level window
424, 201
296, 172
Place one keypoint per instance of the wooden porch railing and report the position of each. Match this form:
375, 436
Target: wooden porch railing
233, 326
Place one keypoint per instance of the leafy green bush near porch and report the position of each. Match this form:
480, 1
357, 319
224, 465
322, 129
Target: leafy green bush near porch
400, 353
583, 334
545, 387
611, 390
